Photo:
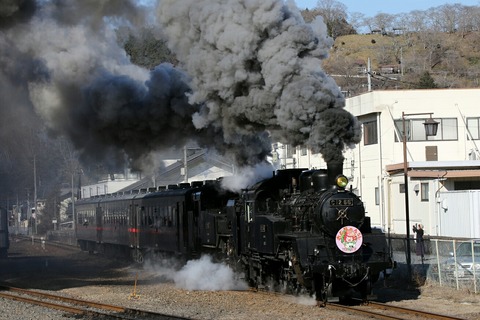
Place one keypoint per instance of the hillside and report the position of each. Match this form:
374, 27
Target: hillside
398, 61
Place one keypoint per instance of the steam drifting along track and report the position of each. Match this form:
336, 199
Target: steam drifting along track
79, 307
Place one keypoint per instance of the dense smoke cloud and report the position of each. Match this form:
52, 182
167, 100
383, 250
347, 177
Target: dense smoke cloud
255, 66
250, 72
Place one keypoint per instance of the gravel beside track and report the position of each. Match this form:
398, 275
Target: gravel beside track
96, 278
17, 310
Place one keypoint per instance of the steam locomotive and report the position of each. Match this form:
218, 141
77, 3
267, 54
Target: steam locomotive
299, 231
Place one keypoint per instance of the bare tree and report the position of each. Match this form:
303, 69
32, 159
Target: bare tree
383, 22
469, 19
334, 14
357, 20
449, 17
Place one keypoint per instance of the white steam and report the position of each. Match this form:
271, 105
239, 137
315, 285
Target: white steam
204, 274
248, 176
201, 274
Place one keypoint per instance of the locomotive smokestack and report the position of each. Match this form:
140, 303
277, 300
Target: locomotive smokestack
334, 168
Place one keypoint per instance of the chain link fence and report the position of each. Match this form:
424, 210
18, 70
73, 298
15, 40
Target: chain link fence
448, 262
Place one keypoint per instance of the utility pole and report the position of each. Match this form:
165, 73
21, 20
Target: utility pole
185, 165
35, 190
369, 77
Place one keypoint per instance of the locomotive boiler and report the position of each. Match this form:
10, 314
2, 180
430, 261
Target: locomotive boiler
303, 231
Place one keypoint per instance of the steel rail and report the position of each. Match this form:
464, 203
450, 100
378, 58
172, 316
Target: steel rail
118, 312
396, 312
424, 314
57, 306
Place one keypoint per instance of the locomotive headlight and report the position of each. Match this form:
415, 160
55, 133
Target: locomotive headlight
341, 181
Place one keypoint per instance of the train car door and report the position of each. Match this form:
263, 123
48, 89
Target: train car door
193, 222
99, 223
179, 228
134, 216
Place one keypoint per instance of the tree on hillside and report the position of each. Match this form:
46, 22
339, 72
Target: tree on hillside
357, 20
426, 81
334, 14
383, 22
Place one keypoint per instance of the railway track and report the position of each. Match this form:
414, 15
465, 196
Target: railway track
80, 307
43, 242
377, 310
383, 311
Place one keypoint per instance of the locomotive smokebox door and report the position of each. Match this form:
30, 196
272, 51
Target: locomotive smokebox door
339, 210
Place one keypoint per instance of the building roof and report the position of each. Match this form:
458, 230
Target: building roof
438, 169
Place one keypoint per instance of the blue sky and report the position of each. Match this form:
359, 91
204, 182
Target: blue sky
371, 7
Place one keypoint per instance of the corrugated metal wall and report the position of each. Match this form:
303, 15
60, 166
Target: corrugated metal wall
459, 214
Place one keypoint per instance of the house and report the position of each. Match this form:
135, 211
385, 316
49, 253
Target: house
442, 170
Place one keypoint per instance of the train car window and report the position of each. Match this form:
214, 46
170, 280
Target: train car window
150, 218
170, 216
167, 216
261, 206
197, 197
158, 217
175, 214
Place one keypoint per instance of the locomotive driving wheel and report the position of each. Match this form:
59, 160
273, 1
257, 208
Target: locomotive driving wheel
322, 290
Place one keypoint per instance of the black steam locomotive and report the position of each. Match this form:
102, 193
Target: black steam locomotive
299, 231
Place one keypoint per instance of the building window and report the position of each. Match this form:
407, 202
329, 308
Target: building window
370, 135
377, 196
290, 150
415, 130
473, 126
467, 185
303, 151
424, 190
402, 188
447, 129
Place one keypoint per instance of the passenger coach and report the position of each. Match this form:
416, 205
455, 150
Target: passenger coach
178, 220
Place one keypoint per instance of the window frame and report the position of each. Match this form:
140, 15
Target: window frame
424, 192
370, 132
415, 130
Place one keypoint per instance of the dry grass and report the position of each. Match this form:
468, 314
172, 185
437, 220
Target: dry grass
451, 59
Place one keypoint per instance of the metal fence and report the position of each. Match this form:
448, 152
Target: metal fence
63, 236
448, 262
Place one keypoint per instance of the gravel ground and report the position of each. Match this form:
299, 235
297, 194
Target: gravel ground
18, 310
159, 289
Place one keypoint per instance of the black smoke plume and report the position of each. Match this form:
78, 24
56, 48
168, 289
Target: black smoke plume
250, 72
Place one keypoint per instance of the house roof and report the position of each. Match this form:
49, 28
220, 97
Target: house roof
438, 169
197, 162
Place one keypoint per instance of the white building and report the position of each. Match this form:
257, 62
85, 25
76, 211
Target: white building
196, 165
440, 168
